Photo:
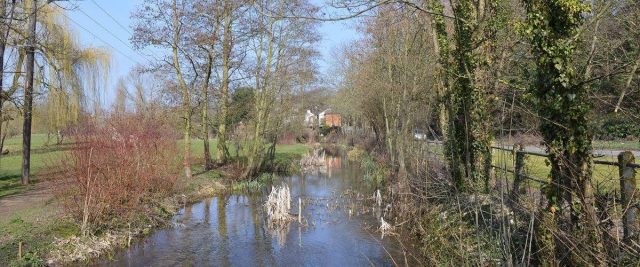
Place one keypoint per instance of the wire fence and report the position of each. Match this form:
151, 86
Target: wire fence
518, 169
616, 177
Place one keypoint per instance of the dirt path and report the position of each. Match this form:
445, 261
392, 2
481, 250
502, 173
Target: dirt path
38, 196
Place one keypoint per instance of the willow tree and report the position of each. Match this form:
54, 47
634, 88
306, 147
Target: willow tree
68, 74
75, 76
7, 11
562, 102
75, 73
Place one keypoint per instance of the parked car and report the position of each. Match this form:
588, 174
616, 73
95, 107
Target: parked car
419, 135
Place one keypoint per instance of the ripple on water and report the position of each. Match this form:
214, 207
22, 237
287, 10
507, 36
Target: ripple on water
230, 230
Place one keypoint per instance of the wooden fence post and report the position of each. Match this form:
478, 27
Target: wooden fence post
628, 194
518, 172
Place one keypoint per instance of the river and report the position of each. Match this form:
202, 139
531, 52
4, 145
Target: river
339, 228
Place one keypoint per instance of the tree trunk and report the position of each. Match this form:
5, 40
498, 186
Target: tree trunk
208, 163
264, 85
223, 152
564, 108
441, 51
28, 96
3, 46
468, 145
186, 98
627, 85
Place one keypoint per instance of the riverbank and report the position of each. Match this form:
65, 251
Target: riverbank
43, 235
425, 210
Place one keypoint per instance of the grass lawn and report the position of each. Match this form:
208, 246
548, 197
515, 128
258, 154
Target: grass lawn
37, 231
42, 156
197, 148
605, 176
617, 145
38, 141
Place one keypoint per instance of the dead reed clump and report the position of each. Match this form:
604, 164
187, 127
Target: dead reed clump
278, 205
313, 161
80, 249
385, 228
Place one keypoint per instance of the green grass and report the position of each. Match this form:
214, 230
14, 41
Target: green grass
197, 148
36, 229
38, 141
295, 149
42, 157
605, 176
617, 145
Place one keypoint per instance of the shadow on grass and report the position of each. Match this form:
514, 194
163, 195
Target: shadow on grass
10, 185
43, 150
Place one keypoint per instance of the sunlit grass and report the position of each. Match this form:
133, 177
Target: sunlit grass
618, 145
604, 176
38, 141
45, 157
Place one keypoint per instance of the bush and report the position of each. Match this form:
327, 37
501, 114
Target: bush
253, 185
375, 171
355, 154
117, 168
617, 128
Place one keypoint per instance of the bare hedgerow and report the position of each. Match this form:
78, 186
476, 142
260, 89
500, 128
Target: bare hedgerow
116, 169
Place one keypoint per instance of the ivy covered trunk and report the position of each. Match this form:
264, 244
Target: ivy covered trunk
563, 105
469, 138
441, 49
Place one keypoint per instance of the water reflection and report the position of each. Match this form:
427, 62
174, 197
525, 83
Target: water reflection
231, 230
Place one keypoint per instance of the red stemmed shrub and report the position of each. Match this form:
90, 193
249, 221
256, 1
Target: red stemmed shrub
117, 169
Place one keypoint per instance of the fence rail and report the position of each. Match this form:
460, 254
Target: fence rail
544, 155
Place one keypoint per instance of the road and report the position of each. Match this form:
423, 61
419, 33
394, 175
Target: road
538, 149
596, 152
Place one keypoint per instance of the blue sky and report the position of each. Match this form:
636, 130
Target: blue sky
95, 24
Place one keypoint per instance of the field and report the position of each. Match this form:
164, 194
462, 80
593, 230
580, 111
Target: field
616, 145
45, 157
605, 176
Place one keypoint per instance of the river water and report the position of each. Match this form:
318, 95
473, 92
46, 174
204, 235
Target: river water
339, 228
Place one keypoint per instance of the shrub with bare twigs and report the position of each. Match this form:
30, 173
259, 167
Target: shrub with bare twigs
118, 167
